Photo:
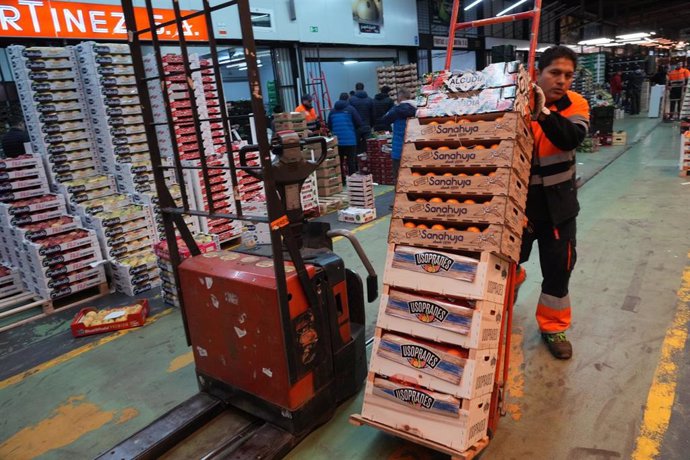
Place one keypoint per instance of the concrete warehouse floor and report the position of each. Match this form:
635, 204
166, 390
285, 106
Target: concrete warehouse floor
623, 395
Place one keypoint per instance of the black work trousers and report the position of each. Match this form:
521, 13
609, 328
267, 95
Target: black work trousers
557, 253
348, 153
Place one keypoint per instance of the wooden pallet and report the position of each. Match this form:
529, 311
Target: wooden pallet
469, 454
25, 301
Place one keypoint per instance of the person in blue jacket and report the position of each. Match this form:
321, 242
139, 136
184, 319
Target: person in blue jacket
343, 123
397, 116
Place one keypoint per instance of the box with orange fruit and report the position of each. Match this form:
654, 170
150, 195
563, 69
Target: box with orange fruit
463, 236
470, 209
509, 125
507, 153
463, 322
456, 371
463, 181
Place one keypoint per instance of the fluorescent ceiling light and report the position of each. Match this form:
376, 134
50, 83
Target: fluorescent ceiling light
472, 5
511, 7
595, 41
350, 62
634, 36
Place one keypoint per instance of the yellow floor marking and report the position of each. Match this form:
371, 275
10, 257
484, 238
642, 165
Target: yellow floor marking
76, 352
362, 227
181, 361
68, 423
662, 392
127, 415
516, 377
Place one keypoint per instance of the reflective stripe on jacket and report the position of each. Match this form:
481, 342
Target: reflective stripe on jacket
553, 168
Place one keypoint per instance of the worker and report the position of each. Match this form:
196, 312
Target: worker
397, 116
616, 88
14, 139
560, 122
365, 106
309, 113
343, 124
382, 104
634, 89
677, 79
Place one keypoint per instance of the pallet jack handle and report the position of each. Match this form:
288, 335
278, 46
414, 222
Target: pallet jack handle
372, 278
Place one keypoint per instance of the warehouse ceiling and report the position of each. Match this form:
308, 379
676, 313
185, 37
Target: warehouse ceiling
665, 17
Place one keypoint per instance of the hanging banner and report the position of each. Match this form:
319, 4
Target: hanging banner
368, 16
55, 19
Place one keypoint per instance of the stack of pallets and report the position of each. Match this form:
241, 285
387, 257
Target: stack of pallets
455, 230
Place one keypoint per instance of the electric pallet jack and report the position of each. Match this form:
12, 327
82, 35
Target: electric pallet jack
282, 361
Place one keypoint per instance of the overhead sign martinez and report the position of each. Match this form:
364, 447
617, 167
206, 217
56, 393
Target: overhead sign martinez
55, 19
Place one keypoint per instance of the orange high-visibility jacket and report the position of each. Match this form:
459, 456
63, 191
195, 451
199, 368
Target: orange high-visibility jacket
309, 114
554, 168
678, 74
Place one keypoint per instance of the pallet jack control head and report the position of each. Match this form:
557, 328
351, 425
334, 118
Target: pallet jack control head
289, 167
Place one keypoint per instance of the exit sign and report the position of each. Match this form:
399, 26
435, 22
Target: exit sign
313, 29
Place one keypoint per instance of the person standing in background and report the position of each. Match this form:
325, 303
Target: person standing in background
382, 104
342, 123
635, 89
307, 109
365, 107
677, 80
397, 116
616, 88
14, 139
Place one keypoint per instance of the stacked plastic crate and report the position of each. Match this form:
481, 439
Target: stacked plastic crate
126, 230
206, 243
56, 256
455, 228
377, 161
209, 141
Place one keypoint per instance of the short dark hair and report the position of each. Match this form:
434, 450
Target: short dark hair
359, 86
352, 93
344, 96
385, 89
556, 52
306, 97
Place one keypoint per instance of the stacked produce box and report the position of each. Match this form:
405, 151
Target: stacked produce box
52, 100
329, 176
190, 143
455, 229
291, 121
684, 161
56, 256
206, 243
398, 76
251, 189
309, 196
377, 161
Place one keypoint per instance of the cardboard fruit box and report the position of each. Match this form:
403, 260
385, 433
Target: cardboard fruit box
508, 153
437, 417
464, 322
480, 182
499, 210
127, 316
439, 367
480, 276
495, 238
509, 125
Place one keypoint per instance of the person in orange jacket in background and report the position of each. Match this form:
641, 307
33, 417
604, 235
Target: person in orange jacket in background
676, 79
310, 116
560, 122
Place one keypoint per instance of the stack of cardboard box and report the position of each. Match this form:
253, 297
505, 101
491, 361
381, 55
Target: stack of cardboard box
455, 230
